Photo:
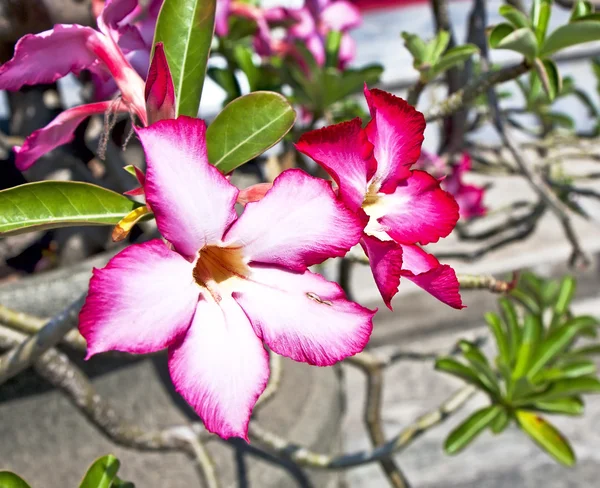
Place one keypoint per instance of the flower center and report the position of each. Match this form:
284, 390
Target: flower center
219, 266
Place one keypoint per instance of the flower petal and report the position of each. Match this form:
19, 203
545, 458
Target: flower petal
192, 201
48, 56
396, 130
220, 367
340, 16
297, 223
419, 211
222, 17
425, 270
385, 259
303, 316
160, 91
140, 302
60, 131
346, 154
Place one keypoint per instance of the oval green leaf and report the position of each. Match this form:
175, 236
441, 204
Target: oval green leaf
500, 32
547, 437
453, 57
579, 32
462, 371
466, 432
514, 16
532, 333
495, 324
247, 127
186, 28
102, 473
564, 406
11, 480
53, 204
522, 40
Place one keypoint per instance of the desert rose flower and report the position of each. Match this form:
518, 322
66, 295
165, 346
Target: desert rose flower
50, 55
223, 285
405, 208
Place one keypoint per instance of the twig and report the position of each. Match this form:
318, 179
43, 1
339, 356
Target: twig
306, 457
206, 465
482, 282
469, 93
23, 355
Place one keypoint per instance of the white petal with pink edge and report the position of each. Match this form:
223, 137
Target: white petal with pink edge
298, 223
140, 302
303, 316
220, 367
193, 202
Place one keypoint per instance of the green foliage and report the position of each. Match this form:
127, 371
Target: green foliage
433, 58
186, 29
53, 204
11, 480
538, 368
247, 127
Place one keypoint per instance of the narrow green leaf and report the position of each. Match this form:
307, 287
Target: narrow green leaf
462, 371
563, 300
186, 29
558, 119
500, 423
585, 351
527, 301
416, 46
581, 9
467, 431
436, 47
227, 80
480, 365
500, 335
333, 42
243, 57
547, 437
247, 127
514, 16
522, 40
102, 473
337, 84
11, 480
453, 57
572, 369
549, 76
53, 204
564, 406
578, 32
532, 334
509, 314
499, 32
568, 388
541, 19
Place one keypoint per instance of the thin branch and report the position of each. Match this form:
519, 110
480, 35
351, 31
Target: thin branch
206, 465
24, 354
307, 457
482, 282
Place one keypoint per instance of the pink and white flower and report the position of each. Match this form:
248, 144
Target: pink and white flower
50, 55
223, 285
405, 208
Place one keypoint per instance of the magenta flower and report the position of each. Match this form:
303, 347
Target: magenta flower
50, 55
223, 284
404, 207
469, 197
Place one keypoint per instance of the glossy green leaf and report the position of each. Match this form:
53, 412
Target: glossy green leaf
549, 76
568, 388
590, 350
468, 430
521, 40
546, 436
578, 32
11, 480
572, 369
102, 473
540, 17
509, 313
499, 32
500, 423
54, 204
243, 56
581, 9
563, 299
453, 57
526, 300
564, 406
480, 365
500, 336
416, 46
532, 334
462, 371
247, 127
514, 16
186, 29
437, 46
557, 342
337, 85
333, 42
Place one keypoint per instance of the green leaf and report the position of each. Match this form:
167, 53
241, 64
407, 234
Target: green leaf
563, 300
247, 127
499, 32
564, 406
522, 40
568, 388
572, 369
586, 350
500, 335
511, 320
558, 119
581, 9
540, 17
436, 47
332, 47
226, 79
186, 29
514, 16
500, 423
11, 480
524, 299
102, 473
549, 76
546, 436
243, 57
557, 342
337, 84
456, 55
416, 46
467, 431
532, 333
578, 32
460, 370
52, 204
480, 365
